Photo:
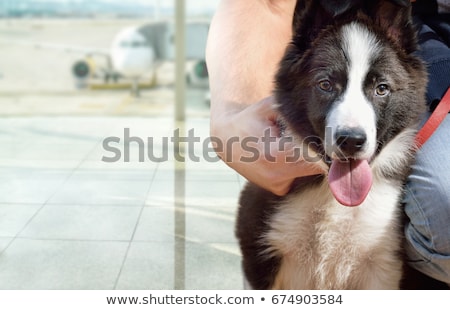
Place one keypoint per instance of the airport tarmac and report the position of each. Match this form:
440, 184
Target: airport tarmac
39, 81
70, 220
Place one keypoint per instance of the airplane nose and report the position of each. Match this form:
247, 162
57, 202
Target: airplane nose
351, 140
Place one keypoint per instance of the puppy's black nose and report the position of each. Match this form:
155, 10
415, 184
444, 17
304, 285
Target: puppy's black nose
351, 140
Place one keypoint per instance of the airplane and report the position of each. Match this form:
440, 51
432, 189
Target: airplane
137, 52
131, 56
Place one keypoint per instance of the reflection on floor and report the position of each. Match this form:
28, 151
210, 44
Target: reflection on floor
70, 220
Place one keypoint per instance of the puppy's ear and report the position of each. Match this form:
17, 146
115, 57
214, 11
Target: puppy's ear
394, 18
309, 19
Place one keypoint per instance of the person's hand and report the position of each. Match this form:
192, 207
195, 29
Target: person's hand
251, 145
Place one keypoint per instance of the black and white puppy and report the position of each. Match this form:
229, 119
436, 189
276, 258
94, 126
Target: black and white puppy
351, 90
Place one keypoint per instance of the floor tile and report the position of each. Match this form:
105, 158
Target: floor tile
104, 188
149, 266
183, 265
157, 224
167, 171
113, 152
30, 186
67, 218
197, 224
4, 242
210, 171
37, 264
58, 139
135, 137
210, 224
145, 168
161, 194
208, 193
66, 222
14, 165
14, 217
212, 267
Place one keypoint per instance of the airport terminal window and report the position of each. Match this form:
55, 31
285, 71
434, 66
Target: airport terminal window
69, 48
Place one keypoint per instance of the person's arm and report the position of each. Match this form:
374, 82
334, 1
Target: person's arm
247, 39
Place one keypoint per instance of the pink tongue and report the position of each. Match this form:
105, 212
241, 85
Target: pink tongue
350, 181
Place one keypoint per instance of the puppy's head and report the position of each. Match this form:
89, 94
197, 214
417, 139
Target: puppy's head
349, 80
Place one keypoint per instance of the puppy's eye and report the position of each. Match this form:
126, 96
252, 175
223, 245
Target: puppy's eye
325, 85
382, 90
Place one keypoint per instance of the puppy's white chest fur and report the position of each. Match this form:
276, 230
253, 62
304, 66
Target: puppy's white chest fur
337, 247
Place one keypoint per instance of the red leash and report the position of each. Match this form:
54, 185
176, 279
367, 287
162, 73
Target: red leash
434, 121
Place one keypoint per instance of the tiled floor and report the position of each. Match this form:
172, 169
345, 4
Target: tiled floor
68, 220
